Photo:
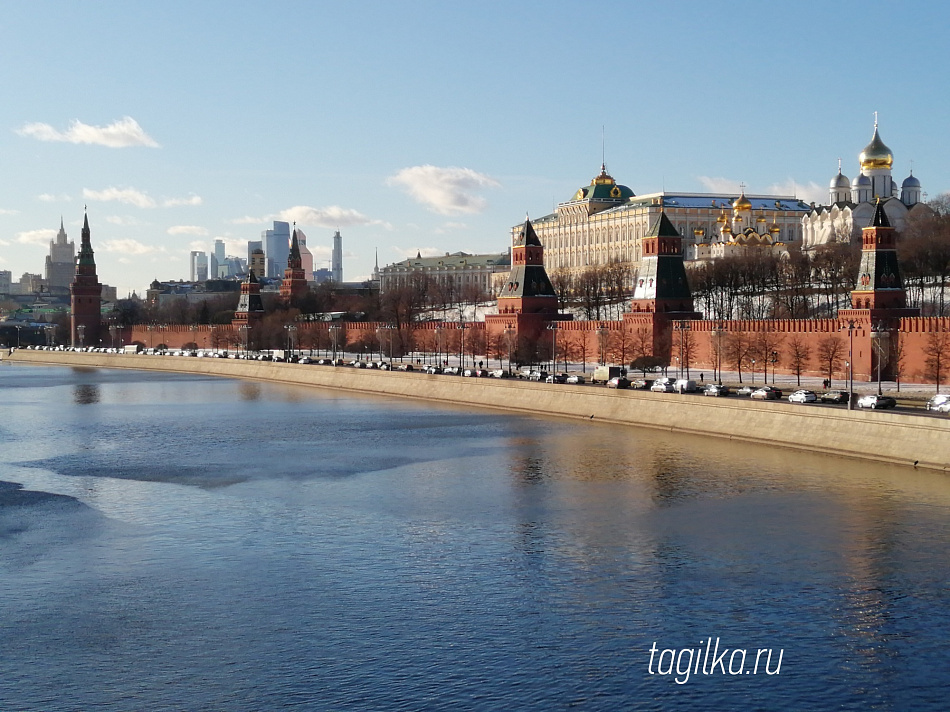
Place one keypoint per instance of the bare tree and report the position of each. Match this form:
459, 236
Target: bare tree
737, 348
935, 356
798, 353
830, 352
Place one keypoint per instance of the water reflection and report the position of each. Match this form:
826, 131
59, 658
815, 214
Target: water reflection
86, 393
249, 390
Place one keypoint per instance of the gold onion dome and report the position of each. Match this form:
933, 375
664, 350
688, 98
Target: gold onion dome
876, 154
604, 178
742, 203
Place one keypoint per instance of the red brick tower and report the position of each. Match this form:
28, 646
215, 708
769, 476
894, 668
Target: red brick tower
85, 294
250, 309
880, 286
528, 290
294, 285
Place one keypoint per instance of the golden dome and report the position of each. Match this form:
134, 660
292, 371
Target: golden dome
604, 178
876, 154
742, 203
721, 218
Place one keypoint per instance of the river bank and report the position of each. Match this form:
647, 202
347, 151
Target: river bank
881, 436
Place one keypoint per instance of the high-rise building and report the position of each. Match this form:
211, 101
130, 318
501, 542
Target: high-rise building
336, 264
252, 247
257, 263
220, 260
276, 248
61, 262
306, 256
199, 266
6, 279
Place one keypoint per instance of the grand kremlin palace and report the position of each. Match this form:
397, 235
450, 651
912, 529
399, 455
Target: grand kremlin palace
606, 222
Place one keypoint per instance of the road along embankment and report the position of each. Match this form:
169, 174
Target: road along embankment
882, 436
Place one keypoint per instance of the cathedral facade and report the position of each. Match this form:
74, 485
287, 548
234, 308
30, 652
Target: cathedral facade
852, 203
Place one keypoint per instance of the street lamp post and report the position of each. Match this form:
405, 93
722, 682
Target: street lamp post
850, 327
553, 327
718, 333
880, 335
244, 328
461, 327
682, 326
50, 330
438, 344
510, 338
82, 336
603, 333
334, 336
753, 371
291, 338
18, 327
151, 342
162, 328
774, 361
194, 335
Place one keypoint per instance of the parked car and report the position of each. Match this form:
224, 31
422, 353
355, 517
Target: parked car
802, 396
684, 385
938, 400
766, 393
943, 407
835, 397
575, 379
405, 367
537, 376
662, 385
556, 378
746, 391
640, 384
875, 401
451, 370
715, 390
499, 373
618, 382
434, 369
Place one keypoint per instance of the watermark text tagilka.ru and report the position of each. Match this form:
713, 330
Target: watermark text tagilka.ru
709, 658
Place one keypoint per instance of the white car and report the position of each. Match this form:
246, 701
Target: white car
575, 379
938, 400
662, 385
802, 396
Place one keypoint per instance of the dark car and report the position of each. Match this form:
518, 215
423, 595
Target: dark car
618, 382
834, 397
715, 390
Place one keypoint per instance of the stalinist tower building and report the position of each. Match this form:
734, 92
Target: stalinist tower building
60, 263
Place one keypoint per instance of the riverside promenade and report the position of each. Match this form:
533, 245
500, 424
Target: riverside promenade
883, 436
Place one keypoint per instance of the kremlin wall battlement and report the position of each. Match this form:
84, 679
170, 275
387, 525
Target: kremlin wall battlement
871, 435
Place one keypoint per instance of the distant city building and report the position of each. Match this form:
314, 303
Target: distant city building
306, 257
605, 222
462, 270
322, 275
336, 262
853, 204
6, 279
28, 284
252, 246
220, 260
199, 266
257, 263
276, 248
60, 263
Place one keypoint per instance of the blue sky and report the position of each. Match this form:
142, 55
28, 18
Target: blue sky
432, 126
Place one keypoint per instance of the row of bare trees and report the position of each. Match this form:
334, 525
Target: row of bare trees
598, 291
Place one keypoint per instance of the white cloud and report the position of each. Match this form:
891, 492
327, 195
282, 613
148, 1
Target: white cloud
810, 192
120, 134
410, 252
35, 237
450, 227
447, 191
720, 185
122, 220
128, 247
190, 200
6, 211
187, 230
50, 198
248, 220
129, 196
332, 216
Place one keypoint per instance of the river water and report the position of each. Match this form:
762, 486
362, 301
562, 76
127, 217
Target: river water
174, 542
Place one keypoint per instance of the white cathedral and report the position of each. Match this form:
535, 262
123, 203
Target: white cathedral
851, 203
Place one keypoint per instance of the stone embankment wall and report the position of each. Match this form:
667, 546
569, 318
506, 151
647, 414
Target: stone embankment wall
873, 435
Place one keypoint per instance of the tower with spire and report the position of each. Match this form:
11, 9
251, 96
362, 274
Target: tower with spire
250, 310
880, 287
85, 294
528, 290
294, 285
